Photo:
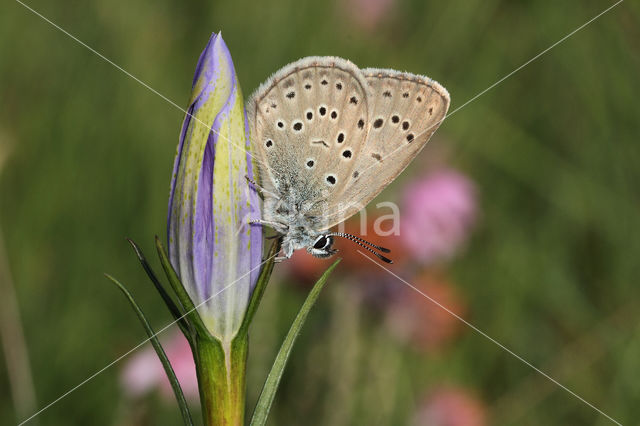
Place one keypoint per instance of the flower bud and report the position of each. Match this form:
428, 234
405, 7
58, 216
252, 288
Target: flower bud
213, 248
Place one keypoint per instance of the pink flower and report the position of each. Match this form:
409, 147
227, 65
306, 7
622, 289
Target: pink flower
143, 372
421, 322
437, 215
451, 407
368, 13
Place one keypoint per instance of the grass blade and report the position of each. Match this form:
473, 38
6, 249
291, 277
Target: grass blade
190, 309
175, 309
177, 390
273, 379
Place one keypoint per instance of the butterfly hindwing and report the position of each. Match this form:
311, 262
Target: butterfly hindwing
406, 110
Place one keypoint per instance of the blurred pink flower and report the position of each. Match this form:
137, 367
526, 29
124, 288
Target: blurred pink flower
451, 407
143, 372
418, 320
368, 13
437, 215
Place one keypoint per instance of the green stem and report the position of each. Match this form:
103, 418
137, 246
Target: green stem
221, 380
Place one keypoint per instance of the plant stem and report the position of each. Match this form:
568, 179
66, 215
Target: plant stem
14, 345
221, 380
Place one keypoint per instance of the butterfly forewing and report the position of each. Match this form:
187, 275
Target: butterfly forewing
309, 123
406, 110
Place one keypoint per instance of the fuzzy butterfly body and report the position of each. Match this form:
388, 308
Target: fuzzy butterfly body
329, 137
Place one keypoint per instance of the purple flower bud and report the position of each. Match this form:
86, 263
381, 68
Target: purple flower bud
212, 247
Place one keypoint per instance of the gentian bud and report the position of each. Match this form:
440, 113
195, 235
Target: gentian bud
212, 247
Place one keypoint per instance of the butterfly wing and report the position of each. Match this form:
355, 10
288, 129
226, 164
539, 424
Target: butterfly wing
308, 123
406, 110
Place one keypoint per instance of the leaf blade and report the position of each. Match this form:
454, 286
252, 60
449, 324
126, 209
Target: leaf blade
263, 406
190, 309
176, 309
175, 385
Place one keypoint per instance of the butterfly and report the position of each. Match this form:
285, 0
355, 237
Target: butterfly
328, 137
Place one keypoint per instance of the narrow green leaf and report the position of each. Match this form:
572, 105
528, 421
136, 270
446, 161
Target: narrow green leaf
175, 309
273, 379
258, 292
178, 288
177, 390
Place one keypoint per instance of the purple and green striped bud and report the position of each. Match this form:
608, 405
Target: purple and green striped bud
212, 247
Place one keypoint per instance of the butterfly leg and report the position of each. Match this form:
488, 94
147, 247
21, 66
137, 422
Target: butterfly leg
256, 187
280, 227
285, 255
260, 190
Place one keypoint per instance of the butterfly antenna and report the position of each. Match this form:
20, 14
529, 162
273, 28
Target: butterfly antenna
360, 241
353, 237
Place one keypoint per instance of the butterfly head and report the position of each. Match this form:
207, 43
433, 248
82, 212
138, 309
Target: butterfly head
322, 246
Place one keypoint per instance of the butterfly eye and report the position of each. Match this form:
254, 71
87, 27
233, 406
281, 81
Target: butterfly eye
321, 243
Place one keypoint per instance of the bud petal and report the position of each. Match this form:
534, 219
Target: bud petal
212, 247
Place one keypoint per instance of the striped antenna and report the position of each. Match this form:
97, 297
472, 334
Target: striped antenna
364, 244
353, 237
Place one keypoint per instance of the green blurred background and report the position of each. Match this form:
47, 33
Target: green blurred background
551, 269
